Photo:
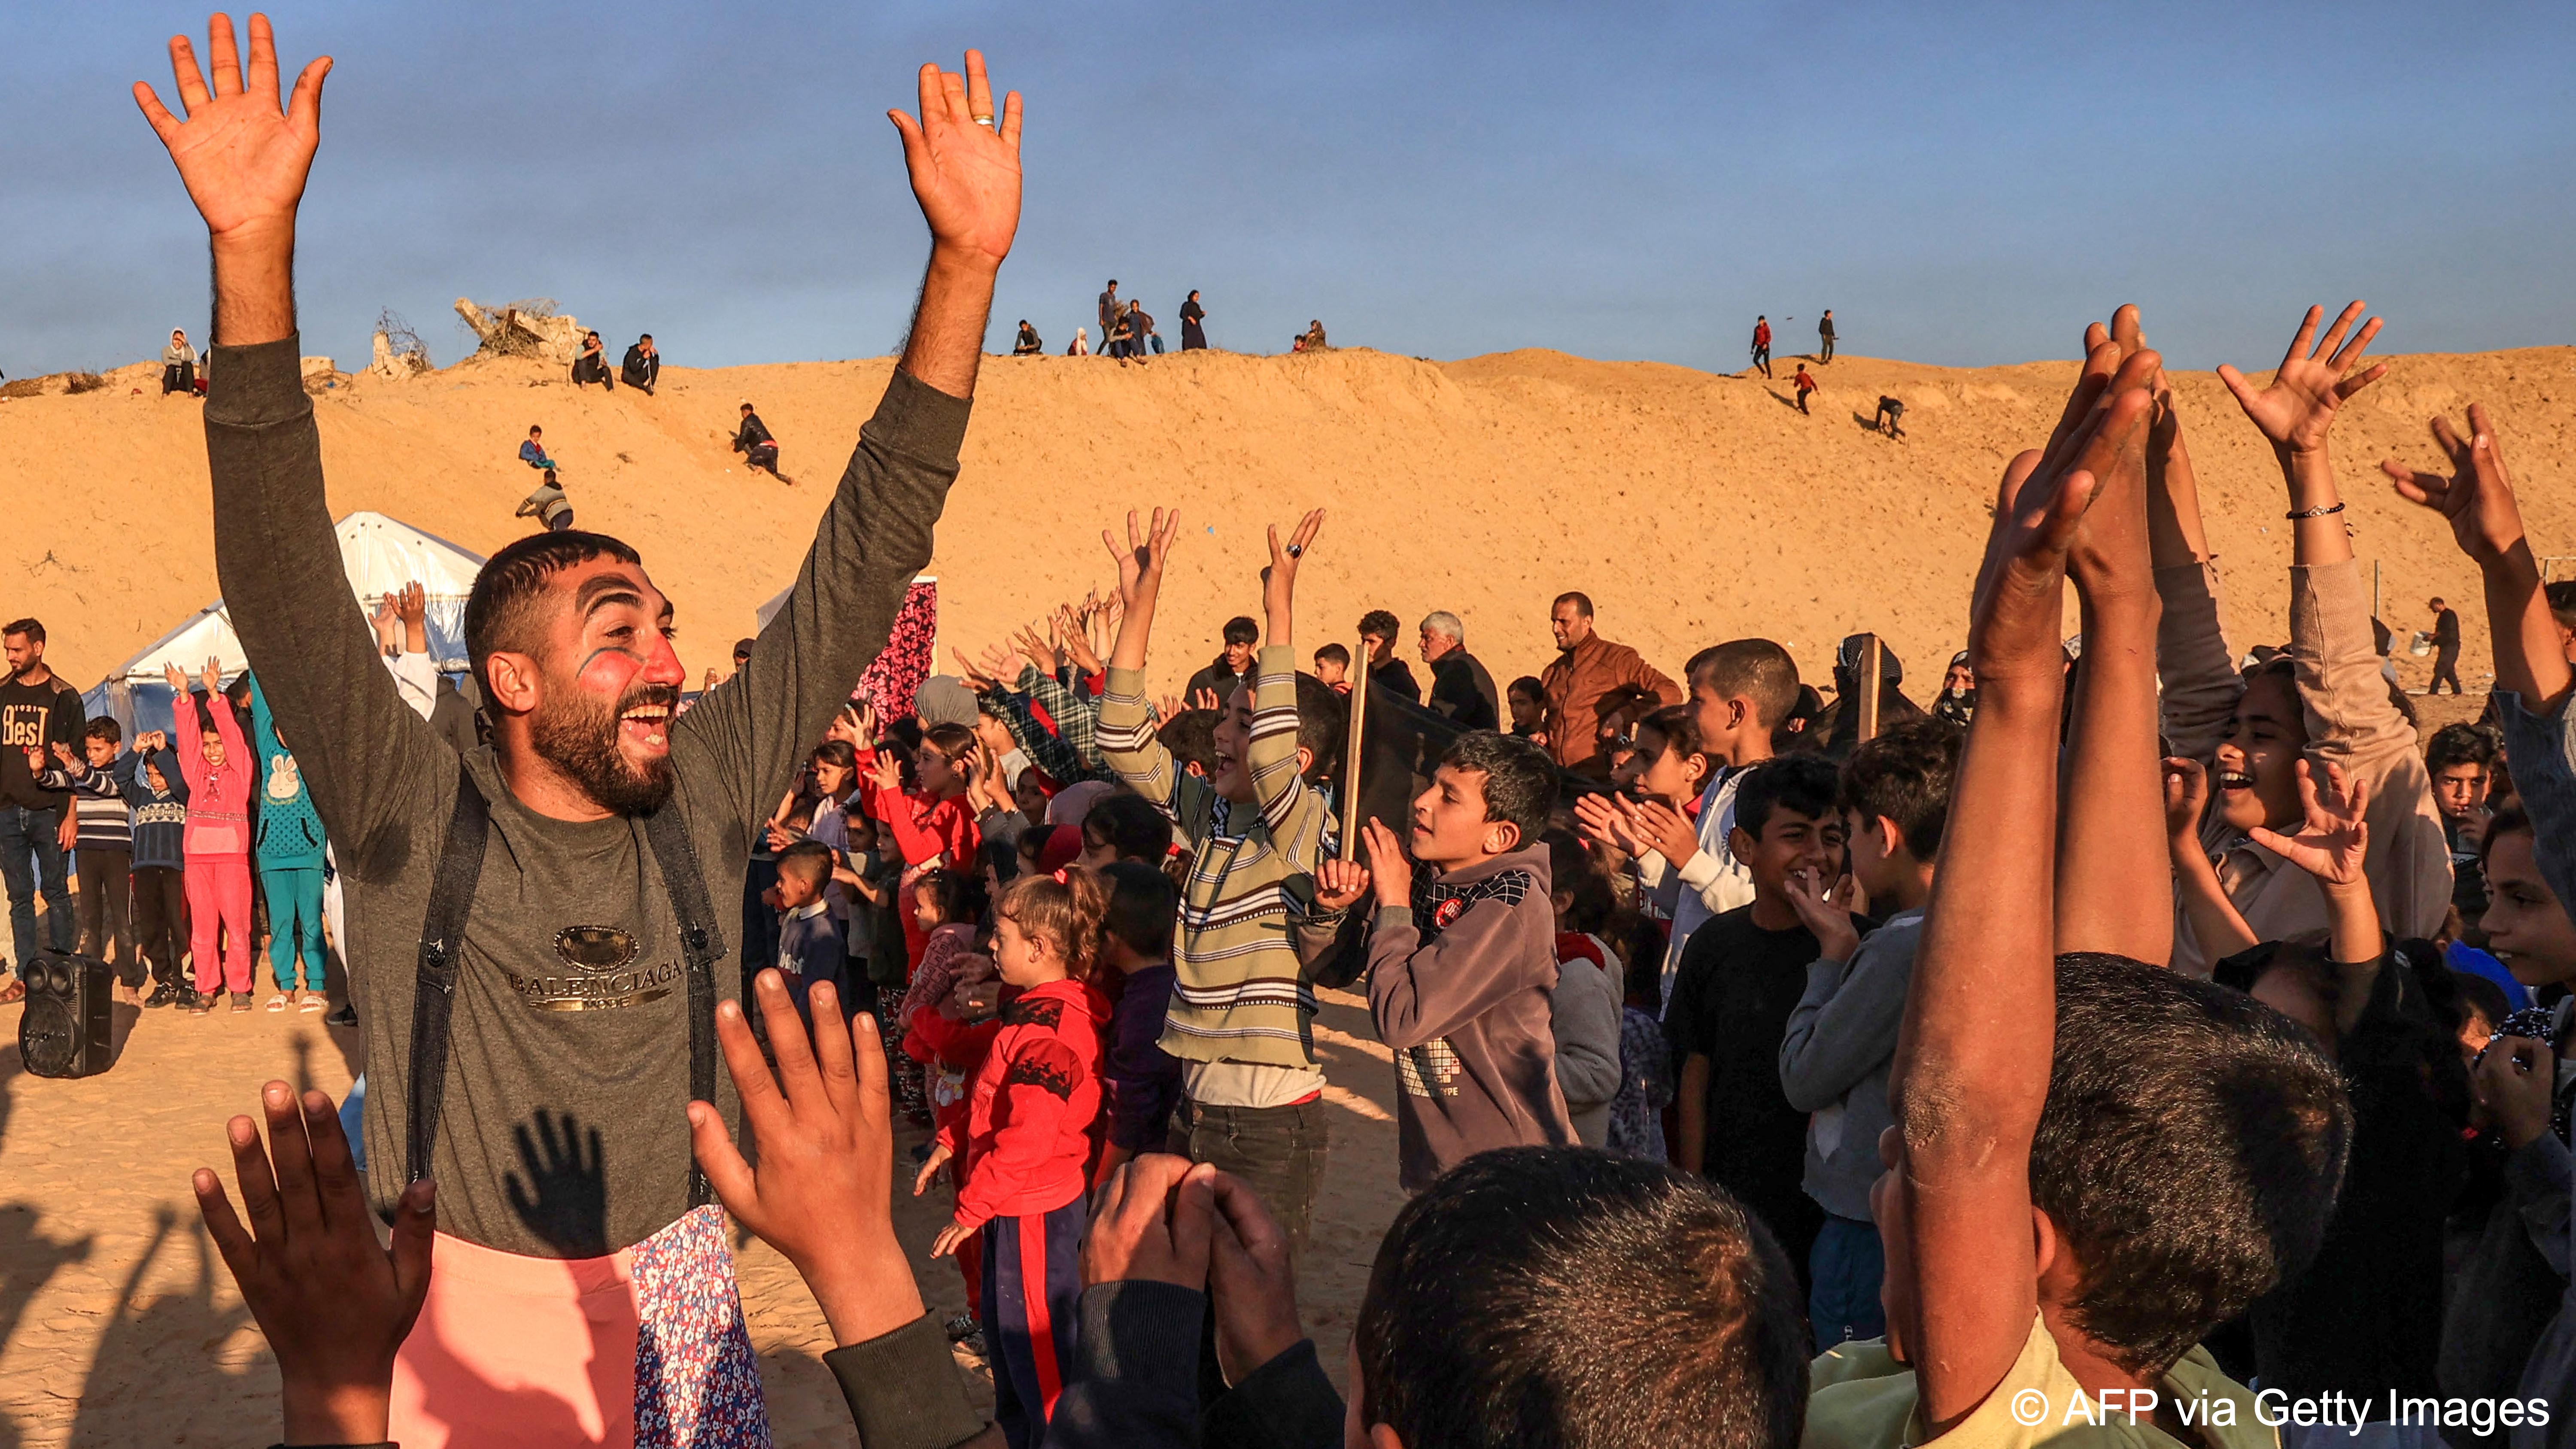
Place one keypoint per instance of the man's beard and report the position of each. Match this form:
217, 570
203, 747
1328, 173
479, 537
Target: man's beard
582, 742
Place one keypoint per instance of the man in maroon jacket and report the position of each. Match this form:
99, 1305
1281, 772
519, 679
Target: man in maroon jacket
1594, 688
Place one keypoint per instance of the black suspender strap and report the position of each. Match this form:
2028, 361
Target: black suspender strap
702, 944
442, 946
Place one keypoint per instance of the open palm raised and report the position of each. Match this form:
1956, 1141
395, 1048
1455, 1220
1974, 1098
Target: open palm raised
965, 173
2298, 409
2333, 837
243, 156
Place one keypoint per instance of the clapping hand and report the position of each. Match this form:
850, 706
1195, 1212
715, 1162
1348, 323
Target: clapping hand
2298, 409
1392, 873
2333, 837
1659, 827
2186, 797
1600, 818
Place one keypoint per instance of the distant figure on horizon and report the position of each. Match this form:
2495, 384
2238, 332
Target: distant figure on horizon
1805, 383
533, 453
1028, 344
642, 368
592, 365
757, 447
1147, 339
1122, 334
179, 365
1314, 338
2446, 648
1109, 310
1080, 346
1825, 337
548, 506
1762, 344
1193, 324
1891, 413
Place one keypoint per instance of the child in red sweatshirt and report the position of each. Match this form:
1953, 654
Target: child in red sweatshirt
1028, 1140
934, 826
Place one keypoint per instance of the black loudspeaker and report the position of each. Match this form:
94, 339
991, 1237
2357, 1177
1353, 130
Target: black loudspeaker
69, 1025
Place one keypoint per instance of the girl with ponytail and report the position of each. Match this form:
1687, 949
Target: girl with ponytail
1027, 1140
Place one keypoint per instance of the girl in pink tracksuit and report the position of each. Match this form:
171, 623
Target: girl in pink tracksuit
220, 773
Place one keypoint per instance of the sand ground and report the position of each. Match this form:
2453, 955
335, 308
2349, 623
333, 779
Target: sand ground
119, 1325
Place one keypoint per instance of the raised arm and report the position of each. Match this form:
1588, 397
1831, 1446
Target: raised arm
244, 158
2350, 717
1271, 757
876, 535
2111, 844
2531, 668
1126, 735
1972, 1060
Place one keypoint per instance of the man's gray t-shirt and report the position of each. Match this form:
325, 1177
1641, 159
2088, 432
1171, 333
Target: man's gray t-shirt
563, 1131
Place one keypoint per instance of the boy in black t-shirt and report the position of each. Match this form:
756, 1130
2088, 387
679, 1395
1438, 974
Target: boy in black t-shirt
1740, 977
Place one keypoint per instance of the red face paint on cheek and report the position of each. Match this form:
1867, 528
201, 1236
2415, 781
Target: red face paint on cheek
610, 671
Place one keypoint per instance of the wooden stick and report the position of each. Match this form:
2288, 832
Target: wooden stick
1870, 664
1351, 755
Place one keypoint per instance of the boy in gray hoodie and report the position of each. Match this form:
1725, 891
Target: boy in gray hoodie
1462, 957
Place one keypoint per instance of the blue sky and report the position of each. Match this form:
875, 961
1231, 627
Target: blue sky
1962, 183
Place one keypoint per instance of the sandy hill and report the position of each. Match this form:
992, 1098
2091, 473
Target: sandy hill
1692, 507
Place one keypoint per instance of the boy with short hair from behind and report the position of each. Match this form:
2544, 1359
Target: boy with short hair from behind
1462, 957
1894, 795
103, 852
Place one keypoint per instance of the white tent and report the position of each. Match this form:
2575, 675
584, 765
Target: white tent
777, 601
379, 555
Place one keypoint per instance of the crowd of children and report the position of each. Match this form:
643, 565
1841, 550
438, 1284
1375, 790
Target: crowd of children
1723, 962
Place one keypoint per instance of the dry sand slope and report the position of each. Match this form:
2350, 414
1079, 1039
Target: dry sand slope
1692, 507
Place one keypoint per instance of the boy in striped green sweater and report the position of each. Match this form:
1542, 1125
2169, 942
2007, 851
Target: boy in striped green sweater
1242, 1004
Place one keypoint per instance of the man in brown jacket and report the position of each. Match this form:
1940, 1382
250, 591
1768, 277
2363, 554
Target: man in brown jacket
1594, 688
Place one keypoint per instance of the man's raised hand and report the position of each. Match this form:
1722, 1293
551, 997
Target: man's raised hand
2477, 499
1392, 873
243, 156
2298, 409
965, 172
2039, 509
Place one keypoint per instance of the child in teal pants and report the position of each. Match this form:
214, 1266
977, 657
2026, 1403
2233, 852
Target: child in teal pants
290, 866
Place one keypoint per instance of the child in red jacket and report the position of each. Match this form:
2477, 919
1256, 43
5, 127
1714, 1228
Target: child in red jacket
934, 826
1028, 1139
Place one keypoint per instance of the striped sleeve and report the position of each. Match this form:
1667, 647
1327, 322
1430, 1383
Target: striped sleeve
1275, 780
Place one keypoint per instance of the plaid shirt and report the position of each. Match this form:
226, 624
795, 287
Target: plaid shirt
1068, 754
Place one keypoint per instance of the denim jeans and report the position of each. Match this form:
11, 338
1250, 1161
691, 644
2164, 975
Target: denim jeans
1847, 1262
31, 860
